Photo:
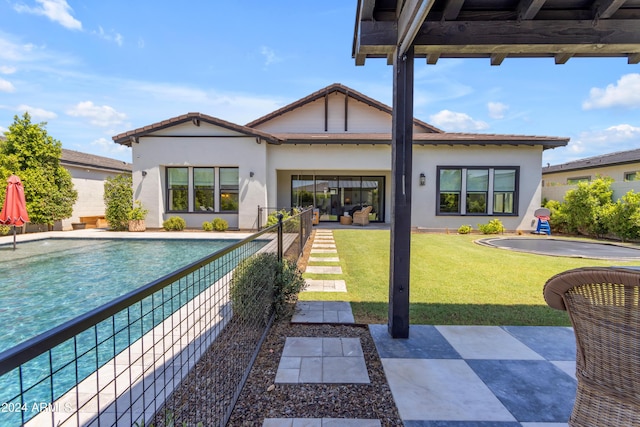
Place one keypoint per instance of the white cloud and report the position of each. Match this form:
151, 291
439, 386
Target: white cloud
625, 93
141, 43
497, 110
5, 69
269, 55
3, 130
36, 113
56, 10
109, 147
102, 116
457, 122
615, 138
6, 86
110, 36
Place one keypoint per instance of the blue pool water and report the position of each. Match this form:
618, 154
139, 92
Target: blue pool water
47, 282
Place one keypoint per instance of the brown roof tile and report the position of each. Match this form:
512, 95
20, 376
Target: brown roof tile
617, 158
76, 158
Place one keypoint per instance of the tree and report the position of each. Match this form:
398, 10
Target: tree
118, 199
34, 156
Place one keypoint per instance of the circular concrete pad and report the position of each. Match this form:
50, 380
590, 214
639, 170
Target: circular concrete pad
561, 247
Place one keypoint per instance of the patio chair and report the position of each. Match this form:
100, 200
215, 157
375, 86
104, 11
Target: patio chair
361, 217
604, 308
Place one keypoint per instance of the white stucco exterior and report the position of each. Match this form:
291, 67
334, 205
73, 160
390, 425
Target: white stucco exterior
337, 133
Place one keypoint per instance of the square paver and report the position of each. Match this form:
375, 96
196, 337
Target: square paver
322, 360
323, 269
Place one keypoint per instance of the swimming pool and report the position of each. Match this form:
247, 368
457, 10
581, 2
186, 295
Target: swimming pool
48, 282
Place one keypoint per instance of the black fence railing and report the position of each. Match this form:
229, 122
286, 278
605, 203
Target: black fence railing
167, 353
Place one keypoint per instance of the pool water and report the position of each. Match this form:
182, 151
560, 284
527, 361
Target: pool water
47, 282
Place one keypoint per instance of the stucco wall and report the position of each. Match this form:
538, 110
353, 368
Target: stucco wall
199, 146
616, 172
89, 183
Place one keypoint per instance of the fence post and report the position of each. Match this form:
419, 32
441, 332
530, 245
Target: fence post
301, 218
259, 217
280, 237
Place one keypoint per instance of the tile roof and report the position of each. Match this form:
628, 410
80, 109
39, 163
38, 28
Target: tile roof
617, 158
337, 87
126, 138
76, 158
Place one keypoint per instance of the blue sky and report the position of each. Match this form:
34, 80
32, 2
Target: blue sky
94, 69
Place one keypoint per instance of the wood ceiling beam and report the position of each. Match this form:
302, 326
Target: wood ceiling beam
486, 37
528, 9
452, 10
562, 58
410, 21
432, 58
633, 58
607, 8
497, 58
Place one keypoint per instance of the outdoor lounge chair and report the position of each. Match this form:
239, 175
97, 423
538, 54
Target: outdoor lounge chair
361, 217
604, 308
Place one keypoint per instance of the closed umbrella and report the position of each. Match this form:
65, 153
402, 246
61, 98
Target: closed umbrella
14, 210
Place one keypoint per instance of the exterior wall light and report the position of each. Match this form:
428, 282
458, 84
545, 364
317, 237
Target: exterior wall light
251, 174
144, 173
423, 179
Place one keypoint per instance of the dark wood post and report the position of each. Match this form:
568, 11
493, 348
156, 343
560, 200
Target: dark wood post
402, 154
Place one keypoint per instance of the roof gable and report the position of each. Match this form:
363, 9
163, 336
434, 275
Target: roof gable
610, 159
127, 138
333, 113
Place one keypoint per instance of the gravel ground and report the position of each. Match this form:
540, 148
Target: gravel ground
261, 398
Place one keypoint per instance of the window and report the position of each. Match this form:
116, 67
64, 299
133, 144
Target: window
477, 188
203, 188
177, 189
229, 179
577, 180
450, 182
632, 176
477, 191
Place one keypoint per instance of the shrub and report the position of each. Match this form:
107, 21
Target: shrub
175, 223
558, 221
585, 207
290, 225
138, 212
493, 227
262, 285
207, 226
465, 229
623, 217
219, 224
118, 193
4, 230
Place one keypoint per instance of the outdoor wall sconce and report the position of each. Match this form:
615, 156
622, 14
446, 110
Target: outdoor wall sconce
144, 173
251, 174
423, 179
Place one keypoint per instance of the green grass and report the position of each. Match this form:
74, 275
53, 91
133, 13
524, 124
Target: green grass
453, 280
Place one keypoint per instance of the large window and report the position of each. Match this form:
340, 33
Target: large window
193, 189
177, 189
477, 191
203, 188
229, 179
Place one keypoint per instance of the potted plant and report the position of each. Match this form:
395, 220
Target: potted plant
136, 217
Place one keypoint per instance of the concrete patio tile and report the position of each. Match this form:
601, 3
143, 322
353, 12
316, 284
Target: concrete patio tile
323, 269
567, 366
486, 342
302, 346
311, 370
323, 251
323, 246
424, 342
344, 422
532, 390
552, 343
340, 370
441, 390
319, 422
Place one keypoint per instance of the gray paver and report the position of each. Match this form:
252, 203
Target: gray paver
323, 251
324, 259
323, 269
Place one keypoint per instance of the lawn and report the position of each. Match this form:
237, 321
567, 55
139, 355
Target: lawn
453, 280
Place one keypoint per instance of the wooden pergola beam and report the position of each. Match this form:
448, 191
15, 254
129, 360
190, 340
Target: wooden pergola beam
607, 8
528, 9
410, 20
452, 10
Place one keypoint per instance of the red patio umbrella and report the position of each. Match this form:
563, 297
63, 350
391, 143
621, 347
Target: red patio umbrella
14, 210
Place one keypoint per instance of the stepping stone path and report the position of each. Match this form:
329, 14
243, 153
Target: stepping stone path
307, 360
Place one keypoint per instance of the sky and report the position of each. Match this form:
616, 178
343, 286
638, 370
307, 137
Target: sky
94, 69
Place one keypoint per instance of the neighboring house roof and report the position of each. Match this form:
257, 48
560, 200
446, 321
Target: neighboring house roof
78, 159
127, 138
336, 87
451, 139
611, 159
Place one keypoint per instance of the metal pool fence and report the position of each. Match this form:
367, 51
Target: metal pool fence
169, 352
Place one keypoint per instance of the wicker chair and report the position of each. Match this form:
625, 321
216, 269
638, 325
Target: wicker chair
604, 307
361, 217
